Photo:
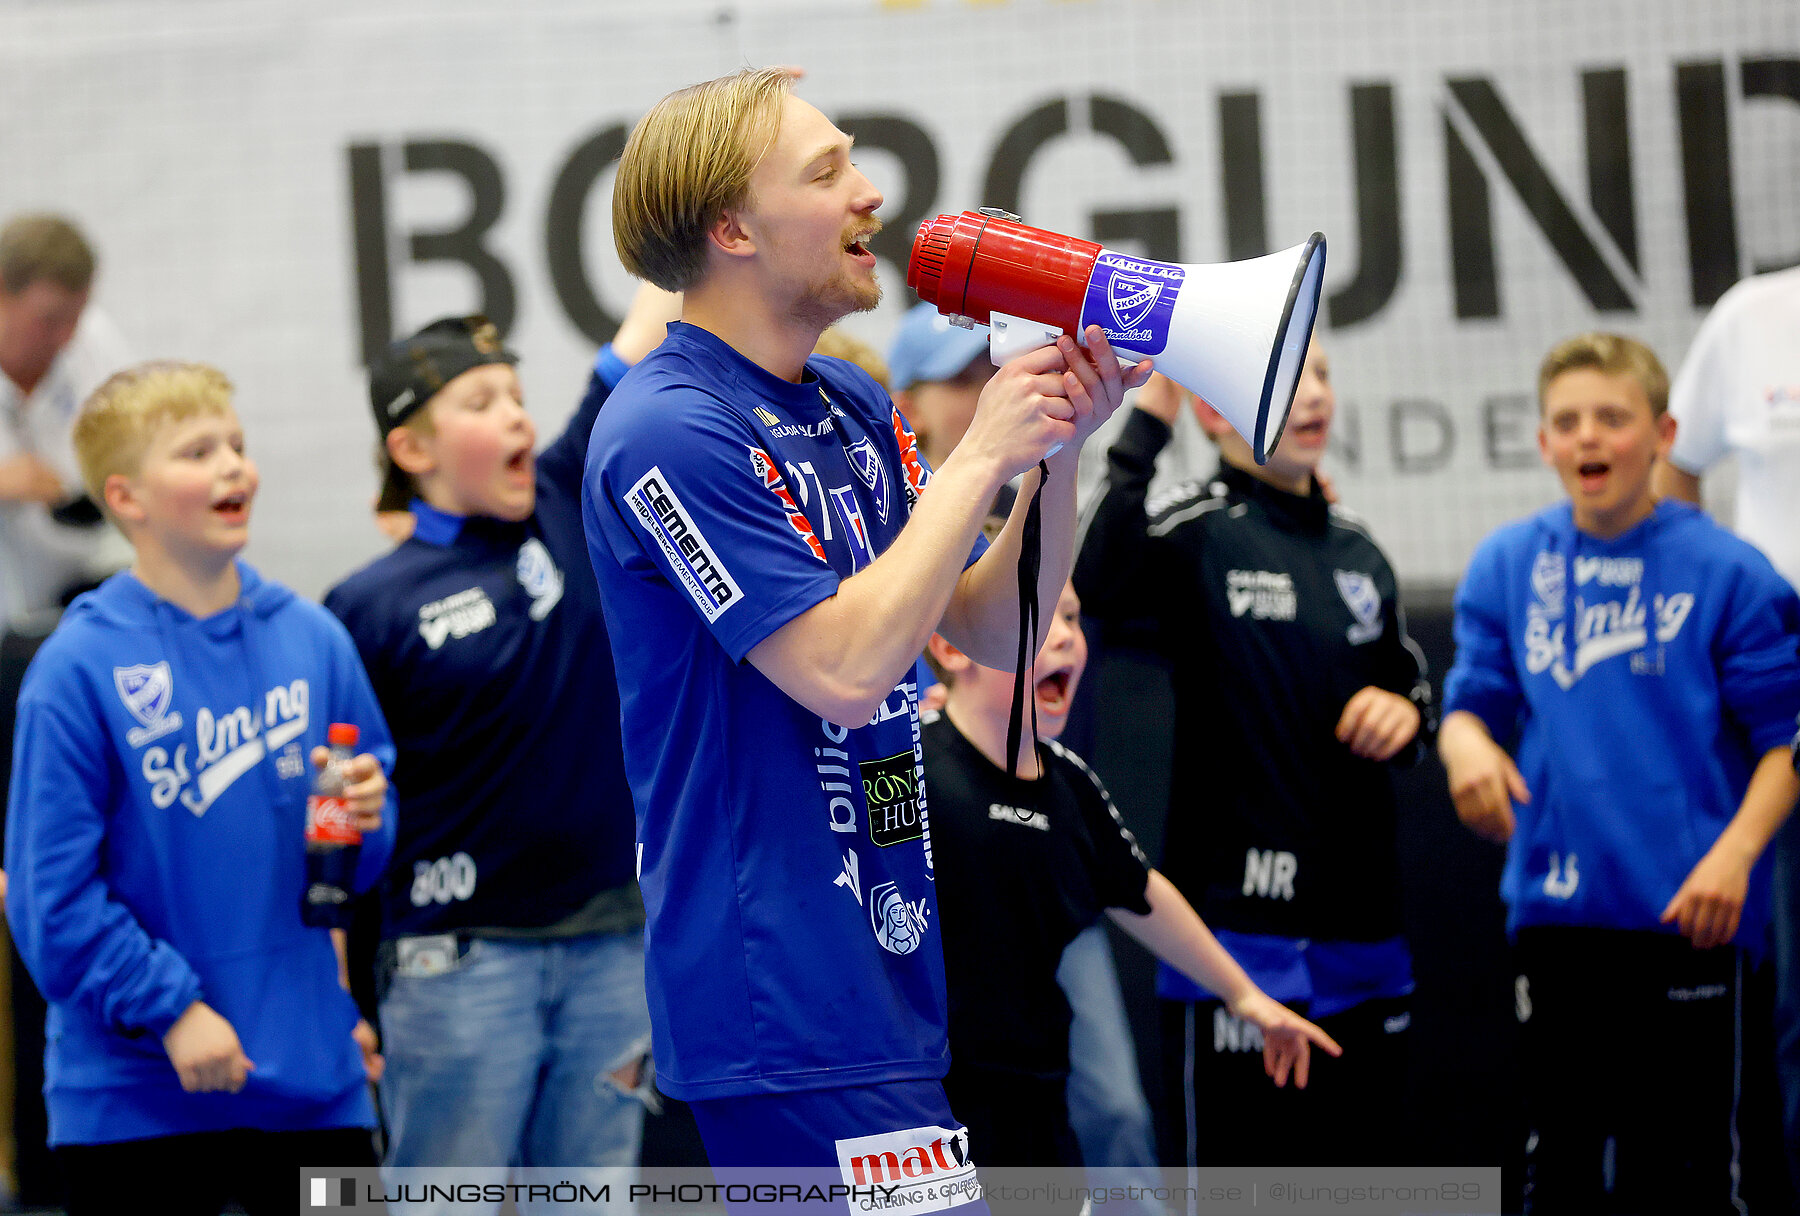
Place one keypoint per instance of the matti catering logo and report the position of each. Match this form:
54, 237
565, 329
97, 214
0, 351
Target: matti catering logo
146, 689
927, 1168
692, 560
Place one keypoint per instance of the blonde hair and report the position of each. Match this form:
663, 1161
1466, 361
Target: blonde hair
43, 246
837, 344
1612, 355
690, 159
116, 424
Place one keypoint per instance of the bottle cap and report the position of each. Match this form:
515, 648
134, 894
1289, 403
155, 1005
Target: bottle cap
342, 734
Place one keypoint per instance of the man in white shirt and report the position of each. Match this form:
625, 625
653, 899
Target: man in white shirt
54, 351
1738, 394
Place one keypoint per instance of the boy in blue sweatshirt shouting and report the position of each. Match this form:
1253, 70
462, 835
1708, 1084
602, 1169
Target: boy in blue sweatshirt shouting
202, 1045
1619, 716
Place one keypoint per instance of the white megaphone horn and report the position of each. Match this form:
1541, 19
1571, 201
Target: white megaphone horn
1234, 333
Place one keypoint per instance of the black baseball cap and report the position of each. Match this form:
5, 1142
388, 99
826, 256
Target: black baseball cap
411, 371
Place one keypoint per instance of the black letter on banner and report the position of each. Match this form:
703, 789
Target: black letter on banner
487, 196
1376, 140
1508, 424
1006, 170
1547, 207
1773, 78
1241, 176
1434, 416
1706, 176
913, 148
563, 247
1156, 230
1609, 157
368, 223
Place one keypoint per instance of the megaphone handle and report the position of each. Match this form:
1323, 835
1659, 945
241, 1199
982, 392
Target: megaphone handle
1010, 336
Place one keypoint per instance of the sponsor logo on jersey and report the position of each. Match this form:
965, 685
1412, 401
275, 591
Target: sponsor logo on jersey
1549, 577
891, 792
660, 513
228, 744
866, 460
146, 689
899, 923
456, 616
764, 467
1363, 599
919, 1169
786, 430
916, 475
1018, 814
833, 764
539, 575
1263, 595
856, 531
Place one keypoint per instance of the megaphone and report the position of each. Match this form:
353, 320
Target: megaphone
1234, 333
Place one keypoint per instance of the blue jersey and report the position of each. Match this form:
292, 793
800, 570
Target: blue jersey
155, 852
785, 861
486, 645
1637, 682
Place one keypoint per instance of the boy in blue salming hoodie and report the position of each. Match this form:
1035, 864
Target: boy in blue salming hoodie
201, 1043
1639, 665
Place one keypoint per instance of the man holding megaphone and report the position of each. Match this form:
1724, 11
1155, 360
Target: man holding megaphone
771, 569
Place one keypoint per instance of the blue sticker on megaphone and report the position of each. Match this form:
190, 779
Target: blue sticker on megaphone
1132, 300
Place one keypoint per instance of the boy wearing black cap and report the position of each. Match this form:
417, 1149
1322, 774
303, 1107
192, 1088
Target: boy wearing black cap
511, 968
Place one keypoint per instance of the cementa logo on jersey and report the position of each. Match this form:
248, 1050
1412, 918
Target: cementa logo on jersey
695, 564
1608, 617
1132, 300
228, 744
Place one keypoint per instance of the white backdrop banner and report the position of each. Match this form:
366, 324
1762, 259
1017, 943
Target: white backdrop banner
277, 185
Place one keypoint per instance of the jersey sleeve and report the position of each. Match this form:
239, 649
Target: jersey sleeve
1700, 391
680, 496
1121, 871
1759, 656
1484, 680
1118, 550
81, 944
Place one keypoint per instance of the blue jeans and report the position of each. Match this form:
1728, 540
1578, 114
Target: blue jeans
527, 1053
1786, 936
1106, 1099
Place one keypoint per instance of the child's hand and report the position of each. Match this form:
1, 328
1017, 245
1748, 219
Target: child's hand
1484, 781
205, 1052
373, 1064
1377, 723
1710, 902
1288, 1038
365, 788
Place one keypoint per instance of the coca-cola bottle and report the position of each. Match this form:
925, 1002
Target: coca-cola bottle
332, 842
